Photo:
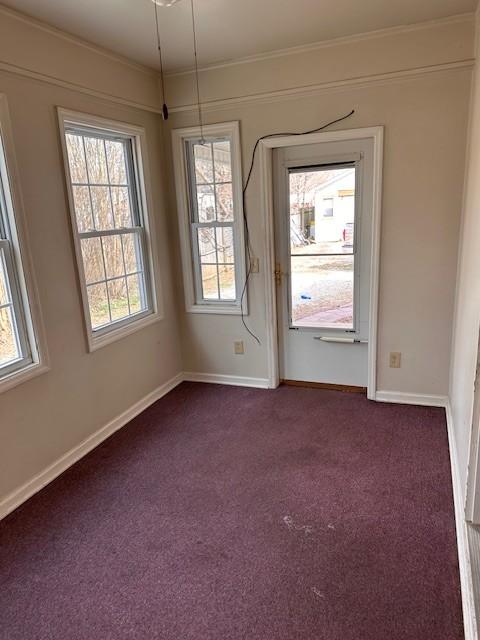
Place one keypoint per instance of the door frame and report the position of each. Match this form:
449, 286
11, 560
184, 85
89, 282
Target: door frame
472, 492
266, 148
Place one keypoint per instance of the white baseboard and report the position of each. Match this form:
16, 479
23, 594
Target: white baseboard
17, 497
238, 381
411, 398
464, 562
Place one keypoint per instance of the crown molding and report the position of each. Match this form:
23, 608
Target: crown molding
333, 42
314, 89
314, 46
76, 40
72, 86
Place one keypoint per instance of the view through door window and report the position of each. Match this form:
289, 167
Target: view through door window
322, 248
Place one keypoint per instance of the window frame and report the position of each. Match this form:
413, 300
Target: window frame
19, 267
138, 169
184, 182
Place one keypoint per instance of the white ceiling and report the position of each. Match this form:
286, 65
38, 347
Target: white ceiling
227, 29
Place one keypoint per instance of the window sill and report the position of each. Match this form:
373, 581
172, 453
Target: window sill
97, 342
232, 310
23, 375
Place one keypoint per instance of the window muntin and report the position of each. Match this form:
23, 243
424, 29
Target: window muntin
16, 347
212, 220
109, 223
322, 255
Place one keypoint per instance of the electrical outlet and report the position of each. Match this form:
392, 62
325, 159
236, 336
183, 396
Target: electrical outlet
254, 265
395, 360
238, 347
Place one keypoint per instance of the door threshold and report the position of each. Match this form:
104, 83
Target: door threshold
346, 388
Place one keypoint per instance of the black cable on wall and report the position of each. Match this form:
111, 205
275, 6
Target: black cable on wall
245, 218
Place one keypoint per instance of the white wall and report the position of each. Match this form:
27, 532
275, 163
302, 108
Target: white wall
36, 50
416, 83
40, 420
467, 308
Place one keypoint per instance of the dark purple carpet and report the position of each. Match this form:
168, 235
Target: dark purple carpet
223, 513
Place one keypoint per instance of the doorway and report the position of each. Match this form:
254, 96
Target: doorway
322, 197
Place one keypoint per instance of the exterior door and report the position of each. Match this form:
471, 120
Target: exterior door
323, 236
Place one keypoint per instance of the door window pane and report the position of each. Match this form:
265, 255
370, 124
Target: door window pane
321, 223
322, 210
322, 291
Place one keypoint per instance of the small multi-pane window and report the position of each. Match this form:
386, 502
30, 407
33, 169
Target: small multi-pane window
109, 222
212, 218
210, 213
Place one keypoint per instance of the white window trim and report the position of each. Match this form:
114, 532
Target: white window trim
28, 290
95, 339
182, 186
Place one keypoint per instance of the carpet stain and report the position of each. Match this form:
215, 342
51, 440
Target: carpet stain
306, 528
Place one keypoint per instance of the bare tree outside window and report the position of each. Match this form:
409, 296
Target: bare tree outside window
109, 225
213, 218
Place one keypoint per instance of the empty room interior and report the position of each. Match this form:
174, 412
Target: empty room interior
239, 320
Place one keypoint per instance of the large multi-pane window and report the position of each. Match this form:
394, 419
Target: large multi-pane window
15, 348
210, 206
109, 222
19, 344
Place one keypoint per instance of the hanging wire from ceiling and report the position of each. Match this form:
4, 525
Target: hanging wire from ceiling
160, 59
197, 83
